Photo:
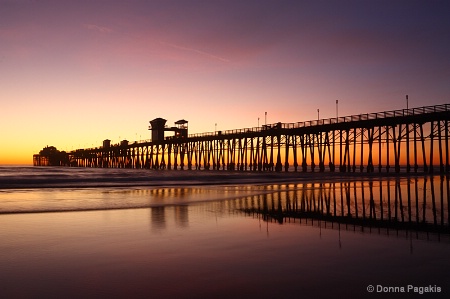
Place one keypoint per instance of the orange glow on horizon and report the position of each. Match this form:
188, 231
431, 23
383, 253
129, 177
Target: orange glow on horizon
74, 74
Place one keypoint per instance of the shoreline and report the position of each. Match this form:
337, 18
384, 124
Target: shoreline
165, 178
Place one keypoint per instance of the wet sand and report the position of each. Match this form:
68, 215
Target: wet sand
230, 237
203, 251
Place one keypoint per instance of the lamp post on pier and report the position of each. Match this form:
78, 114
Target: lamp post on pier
407, 103
337, 107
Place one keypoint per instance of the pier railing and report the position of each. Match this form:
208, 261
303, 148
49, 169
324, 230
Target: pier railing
334, 120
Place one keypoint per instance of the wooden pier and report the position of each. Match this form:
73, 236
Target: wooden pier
410, 140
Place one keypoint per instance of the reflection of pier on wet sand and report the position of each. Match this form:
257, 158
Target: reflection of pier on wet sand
417, 206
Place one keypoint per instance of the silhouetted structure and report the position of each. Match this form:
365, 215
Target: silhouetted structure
106, 143
415, 138
50, 156
158, 127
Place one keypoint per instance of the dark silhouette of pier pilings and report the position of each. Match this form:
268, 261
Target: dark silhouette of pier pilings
416, 139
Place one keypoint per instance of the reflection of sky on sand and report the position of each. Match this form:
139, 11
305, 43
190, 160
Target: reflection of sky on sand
202, 250
57, 199
231, 241
61, 199
402, 200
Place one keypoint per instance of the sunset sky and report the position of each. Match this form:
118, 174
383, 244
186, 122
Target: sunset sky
73, 73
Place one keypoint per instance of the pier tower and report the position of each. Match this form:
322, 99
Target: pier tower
158, 126
181, 129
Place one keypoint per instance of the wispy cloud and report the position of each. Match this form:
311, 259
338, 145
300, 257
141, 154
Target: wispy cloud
97, 28
195, 51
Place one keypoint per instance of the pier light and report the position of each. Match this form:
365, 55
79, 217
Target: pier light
337, 107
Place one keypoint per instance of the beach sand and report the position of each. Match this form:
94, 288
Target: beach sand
232, 236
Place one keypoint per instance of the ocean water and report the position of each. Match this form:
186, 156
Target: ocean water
118, 233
